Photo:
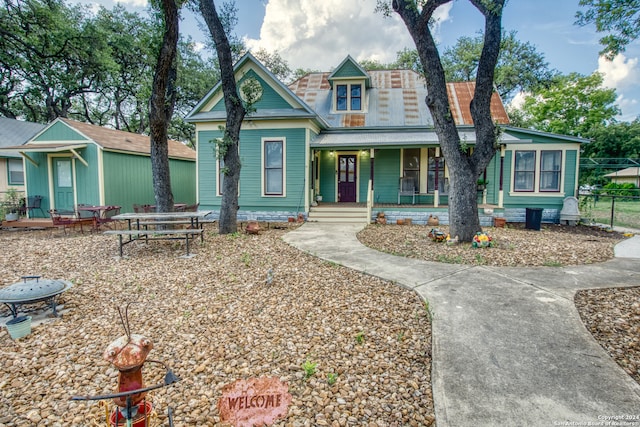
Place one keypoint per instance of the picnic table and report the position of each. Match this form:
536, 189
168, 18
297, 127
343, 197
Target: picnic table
160, 226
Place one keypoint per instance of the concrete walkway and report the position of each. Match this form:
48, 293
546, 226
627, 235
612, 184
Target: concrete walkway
509, 347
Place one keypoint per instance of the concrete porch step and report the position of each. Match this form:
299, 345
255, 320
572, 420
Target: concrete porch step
337, 214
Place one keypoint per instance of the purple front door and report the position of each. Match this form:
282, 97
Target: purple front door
347, 178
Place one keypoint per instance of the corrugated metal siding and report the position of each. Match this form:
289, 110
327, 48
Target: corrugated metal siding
37, 177
128, 180
60, 132
87, 184
183, 181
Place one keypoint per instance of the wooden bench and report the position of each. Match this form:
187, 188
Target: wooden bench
189, 233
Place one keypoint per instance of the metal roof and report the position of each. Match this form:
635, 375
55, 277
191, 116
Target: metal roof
396, 99
16, 132
390, 137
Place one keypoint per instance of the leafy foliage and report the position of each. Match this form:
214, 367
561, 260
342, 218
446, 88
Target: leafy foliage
520, 67
620, 18
572, 105
67, 61
617, 140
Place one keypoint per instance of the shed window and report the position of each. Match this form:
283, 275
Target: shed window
273, 167
16, 172
525, 170
550, 169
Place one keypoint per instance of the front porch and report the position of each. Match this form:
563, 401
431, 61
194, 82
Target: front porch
418, 213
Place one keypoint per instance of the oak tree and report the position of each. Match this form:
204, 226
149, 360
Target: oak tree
464, 168
228, 147
163, 97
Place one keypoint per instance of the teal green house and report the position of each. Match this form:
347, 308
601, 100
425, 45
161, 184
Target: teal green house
347, 144
70, 163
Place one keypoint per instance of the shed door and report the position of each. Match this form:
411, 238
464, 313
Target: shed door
63, 184
347, 178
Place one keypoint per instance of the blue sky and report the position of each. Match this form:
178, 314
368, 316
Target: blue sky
318, 34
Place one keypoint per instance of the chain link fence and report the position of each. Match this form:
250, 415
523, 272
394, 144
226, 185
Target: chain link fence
615, 208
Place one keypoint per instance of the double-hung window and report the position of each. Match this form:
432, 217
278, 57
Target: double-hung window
356, 97
16, 172
525, 171
411, 166
349, 97
273, 164
221, 173
435, 166
550, 168
341, 97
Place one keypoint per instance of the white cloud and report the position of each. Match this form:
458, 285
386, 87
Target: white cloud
134, 3
623, 75
440, 16
320, 34
619, 73
518, 100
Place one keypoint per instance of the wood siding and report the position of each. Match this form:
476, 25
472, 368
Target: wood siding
251, 197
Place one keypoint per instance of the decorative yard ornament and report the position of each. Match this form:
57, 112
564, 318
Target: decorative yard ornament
128, 354
254, 402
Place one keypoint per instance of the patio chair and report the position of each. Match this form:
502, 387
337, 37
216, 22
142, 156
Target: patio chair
34, 202
407, 187
107, 216
65, 220
192, 208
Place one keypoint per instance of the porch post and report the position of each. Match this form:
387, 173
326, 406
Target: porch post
501, 191
436, 191
372, 153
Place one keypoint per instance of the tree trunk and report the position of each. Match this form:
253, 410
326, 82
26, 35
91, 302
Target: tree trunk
464, 169
235, 115
161, 108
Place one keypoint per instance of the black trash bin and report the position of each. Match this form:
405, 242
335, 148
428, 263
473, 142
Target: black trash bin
533, 218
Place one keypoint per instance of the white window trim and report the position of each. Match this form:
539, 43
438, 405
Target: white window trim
218, 188
536, 176
284, 167
11, 160
348, 83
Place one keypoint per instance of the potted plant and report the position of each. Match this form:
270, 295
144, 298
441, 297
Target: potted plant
11, 205
482, 184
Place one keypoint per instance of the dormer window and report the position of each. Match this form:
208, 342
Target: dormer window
349, 97
349, 82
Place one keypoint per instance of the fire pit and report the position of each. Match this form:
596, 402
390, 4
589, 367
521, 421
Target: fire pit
32, 290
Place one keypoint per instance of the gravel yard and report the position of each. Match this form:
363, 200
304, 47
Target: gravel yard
214, 318
554, 245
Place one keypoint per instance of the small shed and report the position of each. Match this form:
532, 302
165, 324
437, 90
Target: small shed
70, 163
624, 176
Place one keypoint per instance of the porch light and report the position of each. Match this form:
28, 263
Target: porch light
331, 153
